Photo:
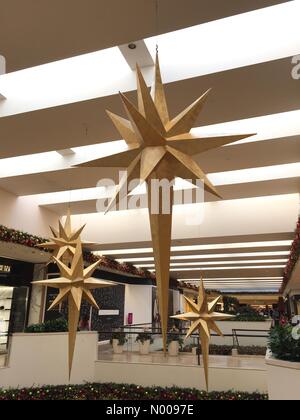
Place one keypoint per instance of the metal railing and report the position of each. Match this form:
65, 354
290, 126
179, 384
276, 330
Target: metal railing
235, 335
131, 331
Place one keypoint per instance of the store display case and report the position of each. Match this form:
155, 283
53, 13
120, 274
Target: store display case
6, 296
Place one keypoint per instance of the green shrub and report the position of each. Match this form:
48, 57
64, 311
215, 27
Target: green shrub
252, 351
243, 313
56, 325
120, 336
123, 392
219, 350
231, 305
143, 337
248, 314
283, 345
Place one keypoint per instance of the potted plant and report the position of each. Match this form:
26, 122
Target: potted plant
175, 342
144, 339
118, 341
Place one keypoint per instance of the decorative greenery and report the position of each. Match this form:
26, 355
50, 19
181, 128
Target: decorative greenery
57, 325
293, 258
283, 345
217, 350
143, 337
231, 305
248, 314
243, 313
124, 392
23, 238
120, 336
175, 336
252, 351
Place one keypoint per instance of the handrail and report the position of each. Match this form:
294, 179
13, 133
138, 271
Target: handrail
158, 331
235, 336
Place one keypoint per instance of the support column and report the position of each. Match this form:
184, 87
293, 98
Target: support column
37, 296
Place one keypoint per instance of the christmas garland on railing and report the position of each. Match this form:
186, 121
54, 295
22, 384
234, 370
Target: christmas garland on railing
25, 239
123, 392
293, 258
20, 238
115, 265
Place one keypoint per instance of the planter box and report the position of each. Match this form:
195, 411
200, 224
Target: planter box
2, 360
116, 347
283, 379
42, 359
227, 326
171, 374
145, 347
173, 348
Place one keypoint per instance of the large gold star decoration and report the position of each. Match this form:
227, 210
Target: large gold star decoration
75, 284
203, 319
160, 148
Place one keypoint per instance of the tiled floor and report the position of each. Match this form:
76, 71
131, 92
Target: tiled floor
184, 359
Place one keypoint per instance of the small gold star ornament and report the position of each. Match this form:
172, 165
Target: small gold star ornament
75, 283
203, 319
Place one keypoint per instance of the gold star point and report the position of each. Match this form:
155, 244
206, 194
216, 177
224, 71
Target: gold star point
64, 241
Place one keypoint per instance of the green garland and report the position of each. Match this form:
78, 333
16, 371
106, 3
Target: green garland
25, 239
123, 392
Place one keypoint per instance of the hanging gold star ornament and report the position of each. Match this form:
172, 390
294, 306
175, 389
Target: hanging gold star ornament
160, 148
75, 284
64, 241
203, 319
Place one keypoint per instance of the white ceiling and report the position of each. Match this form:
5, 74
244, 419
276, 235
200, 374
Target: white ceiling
256, 93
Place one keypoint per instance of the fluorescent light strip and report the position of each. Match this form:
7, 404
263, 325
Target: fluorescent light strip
218, 263
210, 256
233, 42
232, 278
269, 127
88, 76
104, 72
244, 283
254, 287
198, 247
250, 267
246, 286
266, 173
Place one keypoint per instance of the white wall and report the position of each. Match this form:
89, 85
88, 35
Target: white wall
2, 65
177, 301
42, 359
227, 326
149, 374
260, 215
283, 379
24, 214
138, 300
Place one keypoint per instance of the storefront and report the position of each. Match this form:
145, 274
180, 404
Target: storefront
15, 289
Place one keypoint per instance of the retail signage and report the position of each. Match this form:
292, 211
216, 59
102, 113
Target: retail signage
5, 268
109, 312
